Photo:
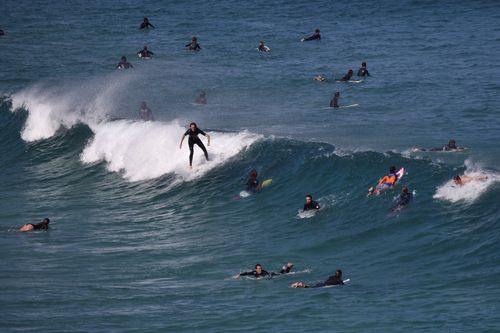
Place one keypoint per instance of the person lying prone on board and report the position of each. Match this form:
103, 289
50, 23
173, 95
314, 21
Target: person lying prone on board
331, 281
462, 180
386, 182
44, 225
258, 272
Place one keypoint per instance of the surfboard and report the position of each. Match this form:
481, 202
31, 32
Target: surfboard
350, 81
266, 183
246, 194
348, 106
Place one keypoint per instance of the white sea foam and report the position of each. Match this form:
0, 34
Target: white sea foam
470, 191
146, 150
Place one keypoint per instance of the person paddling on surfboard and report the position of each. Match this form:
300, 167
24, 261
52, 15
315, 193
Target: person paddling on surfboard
124, 64
259, 272
310, 203
193, 132
193, 45
146, 24
315, 36
145, 53
44, 225
253, 183
348, 76
334, 103
386, 182
363, 71
263, 48
331, 281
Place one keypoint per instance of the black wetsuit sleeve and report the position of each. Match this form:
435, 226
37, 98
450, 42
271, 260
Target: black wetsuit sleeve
152, 26
367, 73
151, 52
199, 131
187, 132
247, 273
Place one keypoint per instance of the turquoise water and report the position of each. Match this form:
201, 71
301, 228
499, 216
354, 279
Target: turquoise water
138, 243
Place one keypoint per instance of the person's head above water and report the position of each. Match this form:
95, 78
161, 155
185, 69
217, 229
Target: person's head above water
363, 64
337, 93
258, 268
194, 39
146, 20
452, 144
405, 189
392, 169
338, 273
350, 71
457, 180
309, 198
316, 31
124, 59
144, 105
253, 173
193, 126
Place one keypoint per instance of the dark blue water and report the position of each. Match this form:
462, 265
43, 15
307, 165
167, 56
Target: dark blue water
140, 243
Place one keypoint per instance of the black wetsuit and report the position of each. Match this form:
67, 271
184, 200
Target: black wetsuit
194, 139
257, 275
193, 46
334, 103
314, 36
146, 25
332, 281
145, 53
252, 185
363, 72
312, 205
146, 114
403, 200
124, 65
346, 77
40, 226
1, 32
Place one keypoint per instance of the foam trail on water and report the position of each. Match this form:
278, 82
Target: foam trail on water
470, 191
146, 150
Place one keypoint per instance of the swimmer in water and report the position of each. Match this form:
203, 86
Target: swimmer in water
145, 112
258, 272
193, 132
314, 36
263, 48
348, 76
319, 78
124, 64
363, 71
202, 98
404, 199
193, 45
331, 281
146, 24
44, 225
145, 53
310, 204
334, 103
462, 180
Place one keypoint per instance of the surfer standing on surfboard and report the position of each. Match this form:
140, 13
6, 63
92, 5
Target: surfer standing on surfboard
193, 132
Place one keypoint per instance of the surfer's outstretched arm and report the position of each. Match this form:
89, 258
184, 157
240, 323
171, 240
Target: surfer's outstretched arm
208, 139
182, 140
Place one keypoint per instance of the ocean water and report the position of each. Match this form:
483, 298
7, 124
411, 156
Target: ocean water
140, 243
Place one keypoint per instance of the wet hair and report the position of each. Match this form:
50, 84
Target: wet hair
253, 173
309, 196
363, 64
350, 70
124, 58
258, 265
193, 124
46, 220
405, 189
338, 272
317, 30
337, 93
452, 143
456, 178
194, 39
392, 169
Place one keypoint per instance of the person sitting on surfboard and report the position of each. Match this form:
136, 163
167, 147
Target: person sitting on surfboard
146, 24
310, 203
362, 71
263, 48
193, 132
252, 183
348, 76
44, 225
334, 103
124, 64
145, 53
202, 98
259, 272
193, 45
331, 281
314, 36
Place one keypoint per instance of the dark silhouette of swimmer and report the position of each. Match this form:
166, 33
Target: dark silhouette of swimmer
146, 24
403, 200
451, 146
44, 225
145, 53
1, 32
310, 203
314, 36
193, 132
145, 112
334, 103
363, 71
193, 45
331, 281
348, 76
258, 272
263, 48
202, 98
124, 64
253, 183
